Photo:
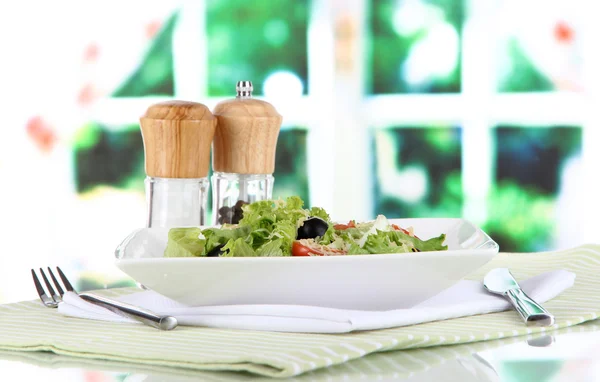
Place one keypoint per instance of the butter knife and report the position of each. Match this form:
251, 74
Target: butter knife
501, 281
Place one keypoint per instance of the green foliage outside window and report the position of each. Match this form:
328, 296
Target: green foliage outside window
252, 39
522, 203
437, 152
521, 75
391, 45
291, 173
109, 156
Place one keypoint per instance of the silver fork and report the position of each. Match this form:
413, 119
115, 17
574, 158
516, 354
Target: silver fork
52, 300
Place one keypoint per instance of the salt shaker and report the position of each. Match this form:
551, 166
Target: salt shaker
177, 138
243, 153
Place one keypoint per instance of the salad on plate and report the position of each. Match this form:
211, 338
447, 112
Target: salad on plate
284, 228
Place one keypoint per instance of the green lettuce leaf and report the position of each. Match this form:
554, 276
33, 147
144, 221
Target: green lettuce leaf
354, 233
278, 220
320, 213
185, 242
270, 249
433, 244
399, 242
291, 210
329, 236
293, 203
285, 232
221, 236
238, 248
259, 214
382, 242
355, 249
259, 237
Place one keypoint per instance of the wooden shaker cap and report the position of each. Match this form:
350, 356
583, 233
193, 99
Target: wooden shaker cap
177, 137
246, 135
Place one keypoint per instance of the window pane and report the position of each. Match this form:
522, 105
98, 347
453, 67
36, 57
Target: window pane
291, 177
154, 74
263, 41
540, 46
415, 46
530, 191
109, 156
418, 172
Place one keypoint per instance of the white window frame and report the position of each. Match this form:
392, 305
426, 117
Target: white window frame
339, 115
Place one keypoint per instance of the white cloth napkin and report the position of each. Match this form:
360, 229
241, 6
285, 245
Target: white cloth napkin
465, 298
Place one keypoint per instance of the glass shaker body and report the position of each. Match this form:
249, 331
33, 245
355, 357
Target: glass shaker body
231, 191
176, 202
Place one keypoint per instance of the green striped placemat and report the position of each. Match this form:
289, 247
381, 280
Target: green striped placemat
28, 326
380, 366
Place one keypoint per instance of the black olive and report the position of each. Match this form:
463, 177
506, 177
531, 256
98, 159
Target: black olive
236, 218
216, 251
231, 215
239, 204
312, 228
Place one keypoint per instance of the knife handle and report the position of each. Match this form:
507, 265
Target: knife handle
127, 310
532, 313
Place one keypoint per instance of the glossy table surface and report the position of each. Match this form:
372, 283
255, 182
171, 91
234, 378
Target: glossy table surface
571, 354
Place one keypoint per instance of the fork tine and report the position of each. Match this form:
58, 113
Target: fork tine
46, 300
40, 290
48, 285
65, 281
56, 283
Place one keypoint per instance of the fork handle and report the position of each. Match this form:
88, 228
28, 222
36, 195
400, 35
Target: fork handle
127, 310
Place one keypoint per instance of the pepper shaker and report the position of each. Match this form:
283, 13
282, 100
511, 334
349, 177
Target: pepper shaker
243, 153
177, 136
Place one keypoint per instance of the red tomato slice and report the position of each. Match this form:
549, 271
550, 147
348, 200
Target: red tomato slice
351, 224
394, 226
308, 247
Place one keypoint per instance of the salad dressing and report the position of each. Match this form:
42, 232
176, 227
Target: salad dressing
177, 136
243, 153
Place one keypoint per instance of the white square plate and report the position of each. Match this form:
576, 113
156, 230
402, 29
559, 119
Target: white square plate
365, 282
